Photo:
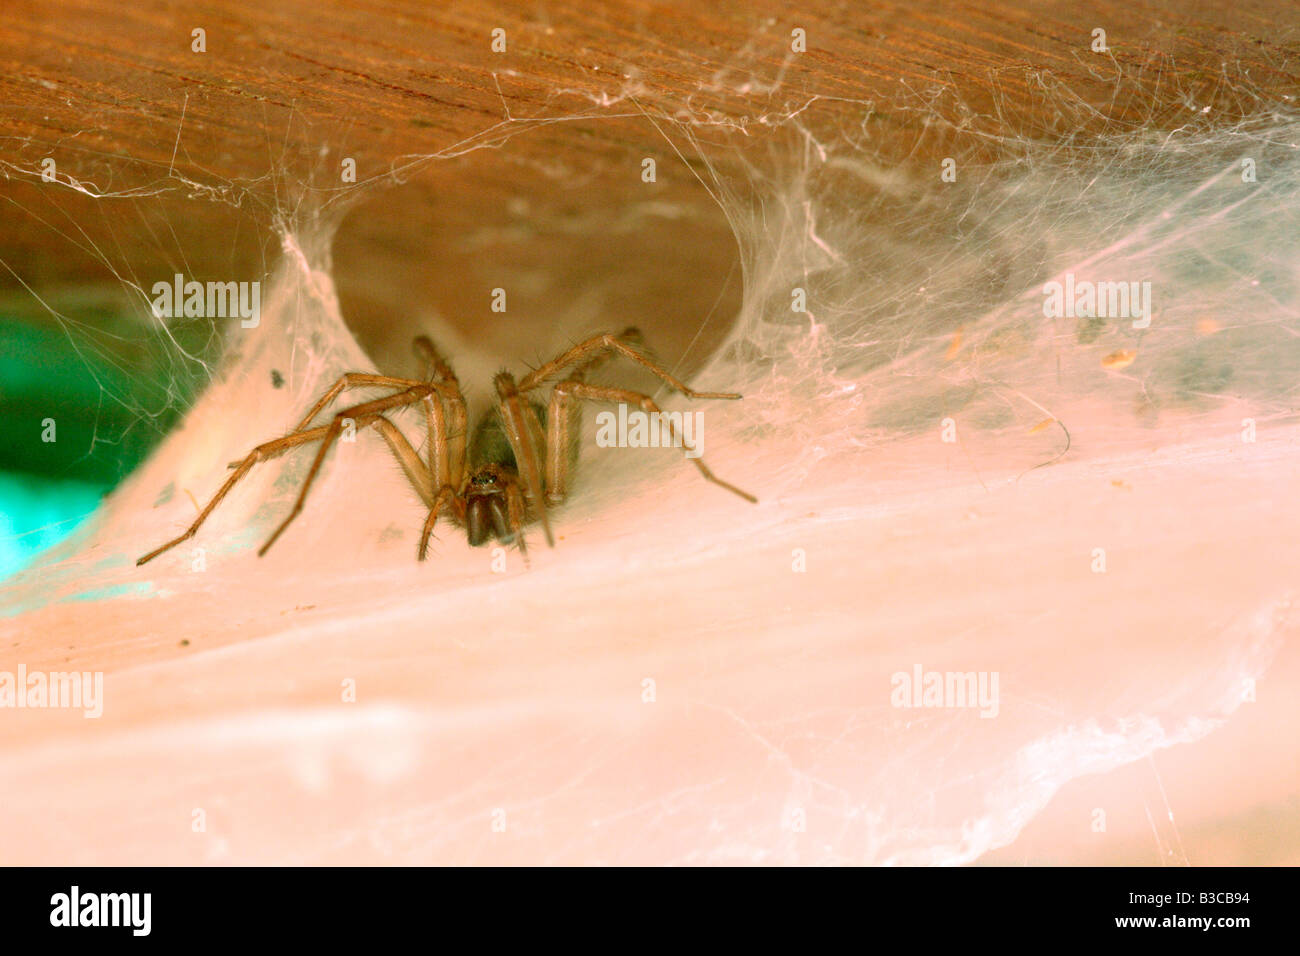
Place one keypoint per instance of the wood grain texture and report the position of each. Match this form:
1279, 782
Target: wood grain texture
260, 122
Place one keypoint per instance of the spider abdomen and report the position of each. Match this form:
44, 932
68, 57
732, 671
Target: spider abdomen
490, 442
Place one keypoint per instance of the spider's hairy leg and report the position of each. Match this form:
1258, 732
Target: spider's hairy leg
402, 450
436, 367
436, 420
515, 511
416, 471
629, 336
445, 495
457, 435
262, 452
521, 427
448, 433
581, 391
561, 418
619, 344
564, 422
353, 380
456, 428
365, 410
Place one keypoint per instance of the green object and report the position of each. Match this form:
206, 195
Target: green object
37, 512
83, 400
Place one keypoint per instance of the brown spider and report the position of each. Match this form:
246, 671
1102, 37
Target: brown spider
505, 487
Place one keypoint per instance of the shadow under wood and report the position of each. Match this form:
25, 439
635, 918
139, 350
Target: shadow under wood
511, 276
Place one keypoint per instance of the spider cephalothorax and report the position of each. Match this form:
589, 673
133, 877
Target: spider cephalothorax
517, 463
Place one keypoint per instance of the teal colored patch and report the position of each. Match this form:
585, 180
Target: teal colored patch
38, 512
138, 589
165, 495
112, 562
